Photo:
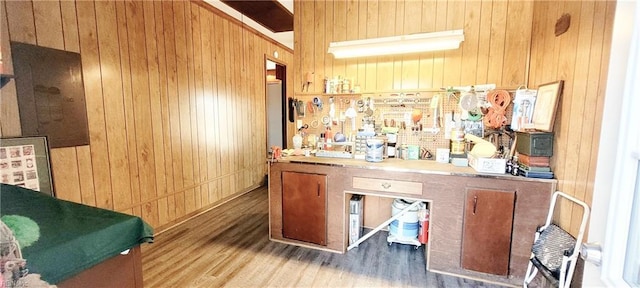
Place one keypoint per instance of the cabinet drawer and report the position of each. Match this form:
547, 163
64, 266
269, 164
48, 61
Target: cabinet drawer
385, 185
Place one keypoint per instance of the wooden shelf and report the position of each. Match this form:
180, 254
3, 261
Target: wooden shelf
328, 95
396, 93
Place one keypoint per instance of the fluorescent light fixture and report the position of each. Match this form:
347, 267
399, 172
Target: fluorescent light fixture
412, 43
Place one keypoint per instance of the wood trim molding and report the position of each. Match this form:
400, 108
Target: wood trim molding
166, 227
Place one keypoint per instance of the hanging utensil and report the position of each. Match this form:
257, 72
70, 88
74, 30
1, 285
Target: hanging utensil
352, 114
326, 120
292, 107
360, 105
369, 110
416, 115
300, 108
318, 102
339, 137
332, 109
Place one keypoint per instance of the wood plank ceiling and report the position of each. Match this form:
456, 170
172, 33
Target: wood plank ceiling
270, 14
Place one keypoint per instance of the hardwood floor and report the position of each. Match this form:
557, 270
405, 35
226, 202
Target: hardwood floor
229, 246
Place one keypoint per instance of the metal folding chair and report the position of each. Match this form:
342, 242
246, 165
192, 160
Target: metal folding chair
555, 251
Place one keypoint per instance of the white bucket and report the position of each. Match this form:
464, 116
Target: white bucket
375, 150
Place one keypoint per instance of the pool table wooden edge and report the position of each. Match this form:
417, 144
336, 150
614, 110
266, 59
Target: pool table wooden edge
117, 271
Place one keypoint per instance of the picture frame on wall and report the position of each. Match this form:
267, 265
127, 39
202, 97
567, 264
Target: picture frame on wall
547, 99
24, 161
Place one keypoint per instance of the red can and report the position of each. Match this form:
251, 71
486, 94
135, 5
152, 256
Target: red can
423, 232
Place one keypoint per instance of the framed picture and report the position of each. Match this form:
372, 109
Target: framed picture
544, 113
24, 161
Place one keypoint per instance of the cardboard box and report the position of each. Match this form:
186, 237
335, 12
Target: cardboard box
488, 165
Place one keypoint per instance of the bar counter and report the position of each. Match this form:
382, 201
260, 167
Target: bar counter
481, 225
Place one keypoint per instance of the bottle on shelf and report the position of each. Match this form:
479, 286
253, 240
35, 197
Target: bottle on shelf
321, 142
328, 138
391, 145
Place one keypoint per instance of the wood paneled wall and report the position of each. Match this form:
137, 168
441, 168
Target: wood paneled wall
175, 96
495, 49
509, 43
580, 57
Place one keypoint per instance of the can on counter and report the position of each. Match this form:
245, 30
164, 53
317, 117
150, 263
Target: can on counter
375, 150
413, 152
457, 142
403, 152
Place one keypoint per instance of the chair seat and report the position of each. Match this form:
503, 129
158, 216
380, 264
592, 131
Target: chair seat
548, 251
555, 252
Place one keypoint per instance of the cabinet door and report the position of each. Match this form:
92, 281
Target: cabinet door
304, 207
486, 240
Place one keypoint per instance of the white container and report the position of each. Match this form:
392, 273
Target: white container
487, 165
442, 155
375, 150
297, 141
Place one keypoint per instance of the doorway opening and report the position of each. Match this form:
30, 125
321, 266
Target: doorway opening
276, 103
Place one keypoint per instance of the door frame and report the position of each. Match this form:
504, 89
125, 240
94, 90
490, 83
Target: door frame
284, 110
612, 192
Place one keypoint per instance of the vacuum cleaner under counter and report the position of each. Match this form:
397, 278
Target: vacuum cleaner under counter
480, 224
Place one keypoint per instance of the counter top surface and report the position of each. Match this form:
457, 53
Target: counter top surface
399, 165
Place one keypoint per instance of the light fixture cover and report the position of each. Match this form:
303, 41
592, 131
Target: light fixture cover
404, 44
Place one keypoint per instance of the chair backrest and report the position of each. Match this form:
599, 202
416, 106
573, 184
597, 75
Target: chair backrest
585, 214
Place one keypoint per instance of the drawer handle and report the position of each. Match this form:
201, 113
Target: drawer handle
318, 190
385, 185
